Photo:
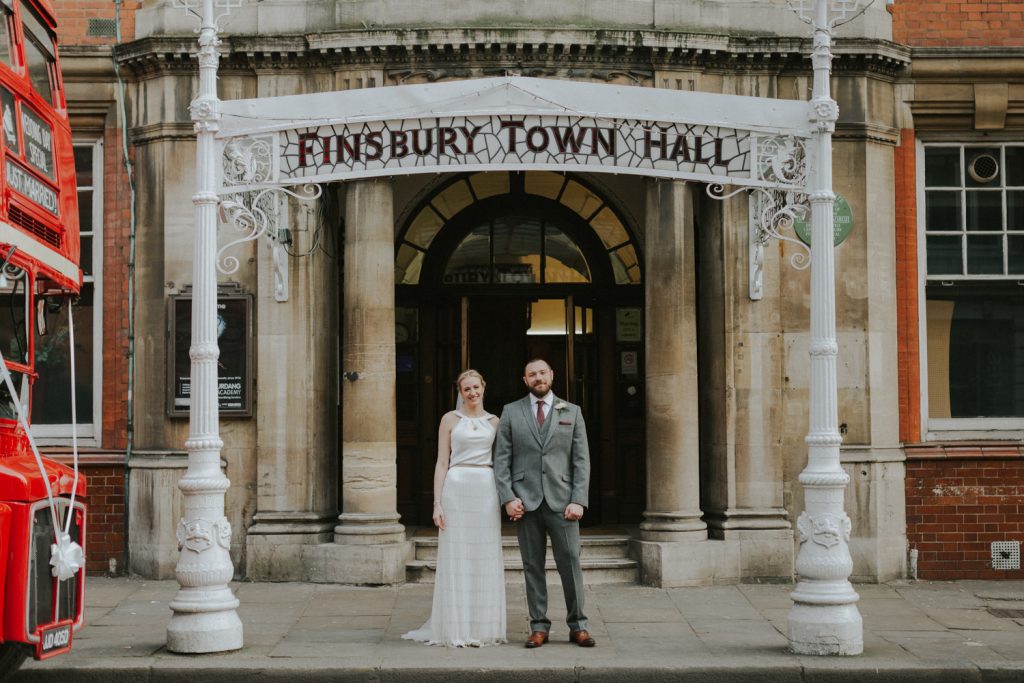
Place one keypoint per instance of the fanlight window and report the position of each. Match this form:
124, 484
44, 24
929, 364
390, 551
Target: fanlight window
517, 249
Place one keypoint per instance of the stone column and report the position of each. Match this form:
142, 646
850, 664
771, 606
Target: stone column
673, 514
742, 350
369, 519
296, 450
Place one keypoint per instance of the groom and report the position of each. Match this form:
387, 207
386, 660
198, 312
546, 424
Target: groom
542, 471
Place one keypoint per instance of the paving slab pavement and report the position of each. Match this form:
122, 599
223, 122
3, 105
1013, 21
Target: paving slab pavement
920, 631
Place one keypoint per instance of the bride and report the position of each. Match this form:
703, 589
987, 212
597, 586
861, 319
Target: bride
469, 587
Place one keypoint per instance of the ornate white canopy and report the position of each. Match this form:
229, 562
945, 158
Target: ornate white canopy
514, 122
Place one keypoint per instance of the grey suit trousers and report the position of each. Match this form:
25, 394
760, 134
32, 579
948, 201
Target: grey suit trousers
565, 545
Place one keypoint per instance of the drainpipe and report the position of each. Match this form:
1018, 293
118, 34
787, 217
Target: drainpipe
129, 171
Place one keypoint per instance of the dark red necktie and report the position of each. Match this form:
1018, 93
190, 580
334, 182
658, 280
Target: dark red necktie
540, 413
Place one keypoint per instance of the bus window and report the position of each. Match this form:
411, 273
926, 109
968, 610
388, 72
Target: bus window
10, 131
5, 34
8, 408
14, 320
39, 52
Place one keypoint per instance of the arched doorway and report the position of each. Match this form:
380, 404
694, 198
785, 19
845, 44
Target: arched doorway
495, 268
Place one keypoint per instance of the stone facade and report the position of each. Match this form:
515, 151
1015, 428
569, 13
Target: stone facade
313, 472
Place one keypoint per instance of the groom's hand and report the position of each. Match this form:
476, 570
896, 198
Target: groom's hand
573, 511
514, 509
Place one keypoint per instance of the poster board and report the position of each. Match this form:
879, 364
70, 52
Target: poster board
234, 337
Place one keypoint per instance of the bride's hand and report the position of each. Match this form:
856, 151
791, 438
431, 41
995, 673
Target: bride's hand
438, 516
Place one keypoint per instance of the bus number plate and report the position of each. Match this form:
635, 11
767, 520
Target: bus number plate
54, 640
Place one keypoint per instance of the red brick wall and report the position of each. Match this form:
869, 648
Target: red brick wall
105, 537
73, 20
959, 500
105, 521
116, 247
908, 338
945, 23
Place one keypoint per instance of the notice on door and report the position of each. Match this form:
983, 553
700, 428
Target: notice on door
627, 325
234, 366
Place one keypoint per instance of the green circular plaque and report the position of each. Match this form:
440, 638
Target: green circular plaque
842, 223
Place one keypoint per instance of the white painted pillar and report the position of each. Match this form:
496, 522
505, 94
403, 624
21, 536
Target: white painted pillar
204, 618
824, 618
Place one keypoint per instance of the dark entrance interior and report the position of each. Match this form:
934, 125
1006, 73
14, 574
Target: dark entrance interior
503, 279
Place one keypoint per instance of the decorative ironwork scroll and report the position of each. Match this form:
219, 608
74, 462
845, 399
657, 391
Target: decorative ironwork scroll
262, 213
781, 166
840, 11
195, 7
248, 160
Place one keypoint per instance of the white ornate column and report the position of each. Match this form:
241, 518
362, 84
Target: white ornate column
824, 618
204, 618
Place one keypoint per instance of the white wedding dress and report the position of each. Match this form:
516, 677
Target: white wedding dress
469, 586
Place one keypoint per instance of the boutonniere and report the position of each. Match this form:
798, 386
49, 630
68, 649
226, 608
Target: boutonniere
560, 406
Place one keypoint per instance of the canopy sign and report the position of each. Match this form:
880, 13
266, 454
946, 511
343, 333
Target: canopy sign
522, 141
514, 123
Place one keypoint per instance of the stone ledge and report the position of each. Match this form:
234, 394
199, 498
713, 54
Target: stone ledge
975, 450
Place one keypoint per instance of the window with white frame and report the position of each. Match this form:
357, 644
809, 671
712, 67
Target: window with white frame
51, 392
973, 219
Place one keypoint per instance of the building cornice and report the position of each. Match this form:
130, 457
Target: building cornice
161, 132
967, 89
471, 52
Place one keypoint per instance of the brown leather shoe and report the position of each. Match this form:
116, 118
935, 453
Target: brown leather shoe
582, 638
536, 639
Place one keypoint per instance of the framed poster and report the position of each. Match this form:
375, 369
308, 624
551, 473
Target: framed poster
234, 367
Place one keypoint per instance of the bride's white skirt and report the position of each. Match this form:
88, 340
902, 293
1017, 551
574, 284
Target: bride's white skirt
469, 586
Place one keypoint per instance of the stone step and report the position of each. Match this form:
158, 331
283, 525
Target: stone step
591, 548
604, 556
595, 571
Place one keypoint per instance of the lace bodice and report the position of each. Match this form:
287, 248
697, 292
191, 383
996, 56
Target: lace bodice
472, 439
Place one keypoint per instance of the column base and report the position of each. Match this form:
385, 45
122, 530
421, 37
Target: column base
722, 524
764, 538
357, 564
204, 621
825, 630
752, 556
275, 542
693, 563
368, 528
671, 527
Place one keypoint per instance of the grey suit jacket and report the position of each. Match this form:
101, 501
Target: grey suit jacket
555, 469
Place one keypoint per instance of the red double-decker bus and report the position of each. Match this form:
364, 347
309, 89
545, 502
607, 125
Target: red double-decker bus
42, 516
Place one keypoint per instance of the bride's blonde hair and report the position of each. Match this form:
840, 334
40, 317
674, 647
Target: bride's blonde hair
469, 373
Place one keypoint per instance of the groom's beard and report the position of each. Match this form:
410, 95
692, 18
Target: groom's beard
537, 391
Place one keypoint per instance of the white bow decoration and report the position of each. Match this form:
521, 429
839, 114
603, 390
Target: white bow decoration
66, 557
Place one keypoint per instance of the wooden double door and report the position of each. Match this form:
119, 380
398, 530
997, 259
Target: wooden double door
496, 334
